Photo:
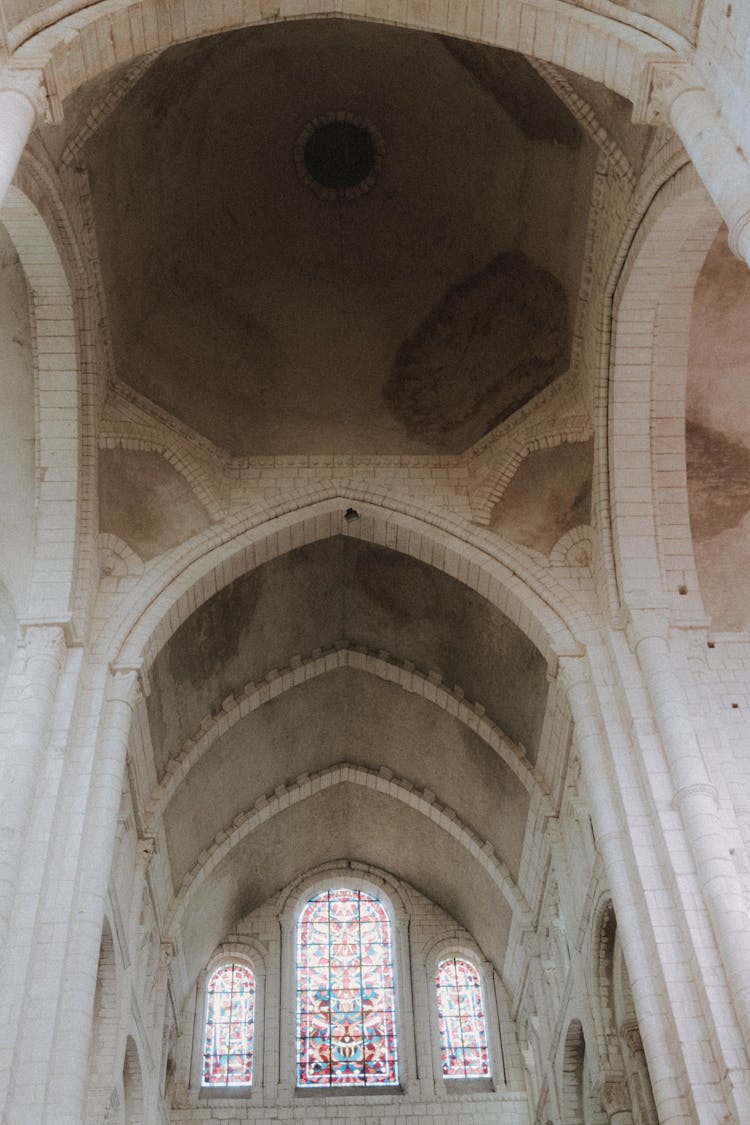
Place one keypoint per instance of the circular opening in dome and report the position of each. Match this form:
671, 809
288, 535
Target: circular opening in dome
339, 155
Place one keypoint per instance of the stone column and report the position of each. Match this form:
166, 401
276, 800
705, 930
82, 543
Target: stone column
67, 1086
674, 91
23, 102
697, 801
41, 658
645, 976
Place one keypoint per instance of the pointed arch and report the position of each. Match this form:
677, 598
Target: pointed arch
652, 308
57, 407
89, 39
132, 1086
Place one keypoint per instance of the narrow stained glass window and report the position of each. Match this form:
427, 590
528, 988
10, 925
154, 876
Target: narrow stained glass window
346, 1018
230, 1013
463, 1036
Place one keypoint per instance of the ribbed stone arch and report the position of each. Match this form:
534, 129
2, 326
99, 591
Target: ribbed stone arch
652, 308
187, 577
57, 407
380, 665
285, 797
80, 46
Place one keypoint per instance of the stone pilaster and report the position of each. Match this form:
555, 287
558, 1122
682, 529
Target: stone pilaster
23, 104
40, 661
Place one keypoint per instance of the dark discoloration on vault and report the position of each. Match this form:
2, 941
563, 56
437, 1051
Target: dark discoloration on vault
719, 474
518, 89
344, 589
490, 345
348, 716
267, 318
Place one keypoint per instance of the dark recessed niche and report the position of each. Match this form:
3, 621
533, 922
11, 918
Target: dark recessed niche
340, 155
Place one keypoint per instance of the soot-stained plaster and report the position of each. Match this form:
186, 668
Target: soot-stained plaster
344, 589
486, 348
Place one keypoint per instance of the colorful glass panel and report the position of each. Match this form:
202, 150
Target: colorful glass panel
346, 1012
463, 1035
230, 1012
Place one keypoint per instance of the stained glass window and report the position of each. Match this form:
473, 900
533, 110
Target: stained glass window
230, 1013
346, 1018
463, 1036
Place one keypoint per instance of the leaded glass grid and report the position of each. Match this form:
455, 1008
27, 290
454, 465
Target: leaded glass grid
463, 1035
346, 1011
230, 1014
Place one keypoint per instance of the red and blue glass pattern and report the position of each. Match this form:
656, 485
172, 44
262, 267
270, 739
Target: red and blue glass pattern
346, 1018
463, 1035
230, 1013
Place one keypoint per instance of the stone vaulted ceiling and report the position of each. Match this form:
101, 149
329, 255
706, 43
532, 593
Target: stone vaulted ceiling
407, 311
412, 318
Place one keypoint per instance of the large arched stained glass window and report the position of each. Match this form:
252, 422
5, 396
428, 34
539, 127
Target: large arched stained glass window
463, 1035
230, 1015
346, 1018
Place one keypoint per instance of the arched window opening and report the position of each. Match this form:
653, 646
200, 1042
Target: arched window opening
346, 1010
463, 1031
230, 1018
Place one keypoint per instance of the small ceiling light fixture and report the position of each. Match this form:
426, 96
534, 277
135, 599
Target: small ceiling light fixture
338, 155
351, 515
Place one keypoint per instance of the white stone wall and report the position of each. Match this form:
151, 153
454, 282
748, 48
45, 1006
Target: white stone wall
635, 669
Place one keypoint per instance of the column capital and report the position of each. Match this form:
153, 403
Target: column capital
44, 640
663, 79
613, 1093
126, 682
30, 83
630, 1034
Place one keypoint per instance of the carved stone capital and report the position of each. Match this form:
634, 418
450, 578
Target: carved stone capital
126, 682
30, 84
613, 1094
45, 642
631, 1037
662, 81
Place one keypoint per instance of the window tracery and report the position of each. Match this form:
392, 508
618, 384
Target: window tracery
229, 1027
461, 1018
346, 1010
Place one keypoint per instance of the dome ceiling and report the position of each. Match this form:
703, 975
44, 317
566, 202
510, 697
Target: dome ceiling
275, 318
